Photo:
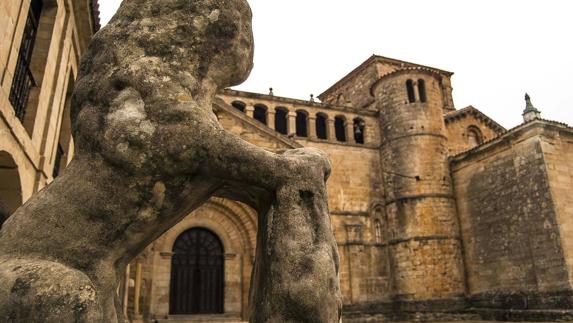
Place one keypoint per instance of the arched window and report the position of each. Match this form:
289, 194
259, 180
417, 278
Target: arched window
378, 231
321, 132
410, 89
260, 113
422, 90
474, 137
239, 106
301, 123
281, 120
358, 129
340, 128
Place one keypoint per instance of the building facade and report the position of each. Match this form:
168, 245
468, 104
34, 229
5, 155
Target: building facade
41, 43
438, 212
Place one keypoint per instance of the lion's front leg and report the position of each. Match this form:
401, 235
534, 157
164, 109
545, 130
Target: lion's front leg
295, 277
39, 291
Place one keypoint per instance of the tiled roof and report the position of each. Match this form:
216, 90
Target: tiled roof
470, 110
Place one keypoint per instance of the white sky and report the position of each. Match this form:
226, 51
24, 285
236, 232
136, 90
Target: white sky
498, 49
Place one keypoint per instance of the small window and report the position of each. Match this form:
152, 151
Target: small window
281, 120
23, 80
378, 231
260, 113
301, 124
422, 90
239, 106
410, 89
474, 137
340, 128
359, 127
321, 132
58, 161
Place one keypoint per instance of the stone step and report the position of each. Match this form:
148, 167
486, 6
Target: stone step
201, 319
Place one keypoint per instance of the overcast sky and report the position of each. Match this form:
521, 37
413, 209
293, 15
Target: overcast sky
498, 49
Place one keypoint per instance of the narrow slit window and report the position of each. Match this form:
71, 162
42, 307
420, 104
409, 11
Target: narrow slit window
410, 89
422, 90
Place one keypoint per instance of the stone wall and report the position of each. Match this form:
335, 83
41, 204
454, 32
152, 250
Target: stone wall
557, 148
511, 231
354, 89
62, 36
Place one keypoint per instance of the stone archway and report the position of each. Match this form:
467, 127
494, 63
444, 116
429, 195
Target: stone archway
235, 225
197, 273
10, 186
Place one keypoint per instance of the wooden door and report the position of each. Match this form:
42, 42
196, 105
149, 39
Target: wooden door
197, 274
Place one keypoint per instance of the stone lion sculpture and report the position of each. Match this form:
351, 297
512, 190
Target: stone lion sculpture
149, 150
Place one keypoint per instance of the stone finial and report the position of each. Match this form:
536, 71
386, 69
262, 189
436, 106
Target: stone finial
312, 98
271, 91
530, 113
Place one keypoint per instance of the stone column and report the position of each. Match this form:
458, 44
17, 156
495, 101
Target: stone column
349, 130
416, 93
250, 111
291, 123
330, 129
137, 317
126, 290
271, 118
311, 126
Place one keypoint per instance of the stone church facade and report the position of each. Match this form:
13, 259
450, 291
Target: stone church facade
438, 212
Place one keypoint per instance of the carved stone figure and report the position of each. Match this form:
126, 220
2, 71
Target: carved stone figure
148, 151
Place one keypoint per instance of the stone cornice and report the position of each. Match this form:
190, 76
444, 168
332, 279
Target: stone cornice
302, 103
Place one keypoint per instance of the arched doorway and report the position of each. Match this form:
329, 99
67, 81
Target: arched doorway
197, 274
10, 187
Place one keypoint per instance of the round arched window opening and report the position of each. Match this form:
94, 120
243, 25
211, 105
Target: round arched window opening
301, 123
260, 113
241, 106
281, 120
359, 126
321, 132
340, 128
474, 137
